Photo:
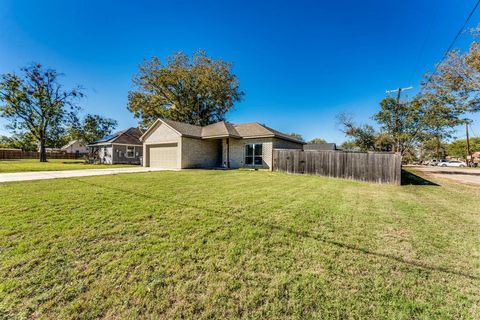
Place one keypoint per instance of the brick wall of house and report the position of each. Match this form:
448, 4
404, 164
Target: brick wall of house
237, 152
198, 153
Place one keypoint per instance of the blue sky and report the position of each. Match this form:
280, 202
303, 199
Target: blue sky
299, 62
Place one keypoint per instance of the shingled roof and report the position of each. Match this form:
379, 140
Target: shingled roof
220, 129
128, 136
224, 129
183, 128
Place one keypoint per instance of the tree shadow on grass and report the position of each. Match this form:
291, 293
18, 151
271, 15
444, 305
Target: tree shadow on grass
409, 178
298, 233
458, 172
74, 162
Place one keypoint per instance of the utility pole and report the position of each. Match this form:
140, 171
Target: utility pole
397, 107
469, 153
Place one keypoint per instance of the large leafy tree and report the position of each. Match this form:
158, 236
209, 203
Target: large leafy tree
401, 123
24, 141
197, 90
92, 128
317, 140
297, 136
349, 145
452, 93
432, 148
456, 82
458, 148
363, 137
36, 102
440, 120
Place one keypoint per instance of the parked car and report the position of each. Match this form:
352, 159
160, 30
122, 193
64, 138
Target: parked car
433, 162
453, 163
441, 162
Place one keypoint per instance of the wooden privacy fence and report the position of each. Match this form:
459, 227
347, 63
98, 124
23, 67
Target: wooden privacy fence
19, 154
379, 167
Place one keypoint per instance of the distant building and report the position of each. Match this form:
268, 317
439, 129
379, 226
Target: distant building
75, 146
476, 158
320, 147
10, 149
50, 150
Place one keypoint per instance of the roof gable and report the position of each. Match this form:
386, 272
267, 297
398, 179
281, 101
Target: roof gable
252, 129
127, 136
220, 129
69, 144
255, 129
184, 128
178, 127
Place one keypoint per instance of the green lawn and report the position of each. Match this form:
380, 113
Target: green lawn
238, 244
23, 165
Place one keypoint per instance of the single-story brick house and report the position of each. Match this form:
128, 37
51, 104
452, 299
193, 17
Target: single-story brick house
123, 147
176, 145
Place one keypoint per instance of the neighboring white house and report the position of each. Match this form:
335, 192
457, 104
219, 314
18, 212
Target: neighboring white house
121, 147
75, 146
49, 150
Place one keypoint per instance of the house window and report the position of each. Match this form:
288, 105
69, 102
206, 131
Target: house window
253, 154
130, 152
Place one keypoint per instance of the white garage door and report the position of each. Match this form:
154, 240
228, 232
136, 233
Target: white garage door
163, 156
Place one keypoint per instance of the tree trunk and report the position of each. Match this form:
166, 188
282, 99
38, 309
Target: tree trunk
43, 151
438, 148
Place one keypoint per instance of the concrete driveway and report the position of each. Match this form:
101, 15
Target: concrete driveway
43, 175
462, 175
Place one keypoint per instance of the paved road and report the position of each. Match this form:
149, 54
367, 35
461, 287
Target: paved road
42, 175
462, 175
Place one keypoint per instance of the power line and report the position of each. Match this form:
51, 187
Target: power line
460, 31
424, 44
397, 106
473, 132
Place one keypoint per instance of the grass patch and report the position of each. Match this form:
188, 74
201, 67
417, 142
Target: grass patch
237, 244
24, 165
